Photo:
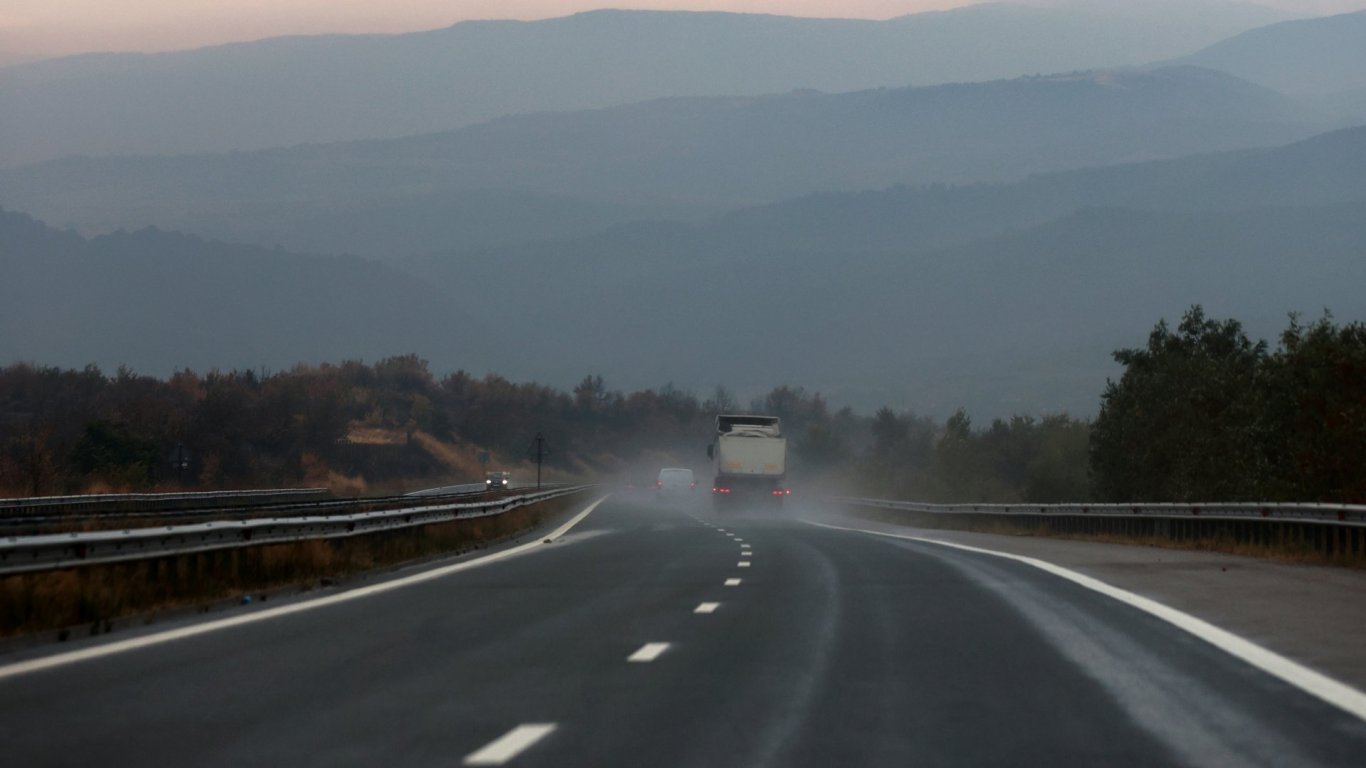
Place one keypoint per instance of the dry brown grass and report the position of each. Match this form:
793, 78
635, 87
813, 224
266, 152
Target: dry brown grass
103, 486
461, 460
361, 435
318, 475
87, 600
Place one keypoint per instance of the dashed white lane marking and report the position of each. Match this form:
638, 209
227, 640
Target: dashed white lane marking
732, 582
706, 608
648, 652
131, 644
739, 539
510, 744
742, 564
1316, 684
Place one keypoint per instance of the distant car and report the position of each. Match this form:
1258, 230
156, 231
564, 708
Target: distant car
497, 480
675, 483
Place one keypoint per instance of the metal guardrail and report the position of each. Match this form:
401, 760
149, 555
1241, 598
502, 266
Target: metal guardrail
239, 505
1327, 514
117, 502
447, 490
1334, 532
21, 554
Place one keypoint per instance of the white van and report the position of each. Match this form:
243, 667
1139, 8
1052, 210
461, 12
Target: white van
675, 483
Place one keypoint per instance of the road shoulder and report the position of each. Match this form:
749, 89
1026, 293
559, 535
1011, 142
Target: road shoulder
1314, 615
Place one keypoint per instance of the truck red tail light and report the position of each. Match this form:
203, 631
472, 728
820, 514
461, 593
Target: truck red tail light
719, 489
781, 492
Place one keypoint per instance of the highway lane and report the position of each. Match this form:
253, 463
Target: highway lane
835, 648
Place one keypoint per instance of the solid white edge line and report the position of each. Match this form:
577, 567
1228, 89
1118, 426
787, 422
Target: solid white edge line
135, 643
706, 608
732, 582
1317, 684
510, 744
648, 652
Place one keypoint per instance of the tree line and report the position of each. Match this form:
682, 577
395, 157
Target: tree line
70, 431
1202, 413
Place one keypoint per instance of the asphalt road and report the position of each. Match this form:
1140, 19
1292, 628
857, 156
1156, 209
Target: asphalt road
835, 648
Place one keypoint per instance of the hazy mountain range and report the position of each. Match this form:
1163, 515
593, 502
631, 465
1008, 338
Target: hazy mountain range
158, 301
1001, 298
984, 244
876, 297
1306, 56
284, 91
555, 175
1323, 170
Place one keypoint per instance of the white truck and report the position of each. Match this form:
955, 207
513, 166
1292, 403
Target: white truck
749, 454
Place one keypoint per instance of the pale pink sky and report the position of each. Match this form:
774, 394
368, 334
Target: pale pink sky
41, 28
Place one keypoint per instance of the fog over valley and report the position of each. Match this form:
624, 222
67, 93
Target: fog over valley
962, 209
292, 90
